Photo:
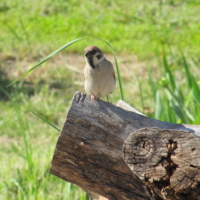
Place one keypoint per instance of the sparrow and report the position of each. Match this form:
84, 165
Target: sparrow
99, 74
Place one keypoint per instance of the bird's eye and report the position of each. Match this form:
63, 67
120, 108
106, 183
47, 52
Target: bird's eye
98, 55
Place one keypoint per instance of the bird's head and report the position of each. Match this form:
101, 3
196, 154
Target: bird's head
93, 56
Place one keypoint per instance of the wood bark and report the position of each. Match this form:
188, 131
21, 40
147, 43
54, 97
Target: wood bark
117, 154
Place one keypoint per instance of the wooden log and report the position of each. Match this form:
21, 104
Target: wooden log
89, 150
168, 159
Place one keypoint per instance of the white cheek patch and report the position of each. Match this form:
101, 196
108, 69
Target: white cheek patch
97, 58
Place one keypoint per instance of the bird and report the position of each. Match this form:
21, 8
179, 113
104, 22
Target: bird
99, 74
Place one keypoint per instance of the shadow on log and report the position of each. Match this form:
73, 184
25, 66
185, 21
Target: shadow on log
123, 155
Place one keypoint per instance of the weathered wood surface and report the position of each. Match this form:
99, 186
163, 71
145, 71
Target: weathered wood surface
167, 159
89, 149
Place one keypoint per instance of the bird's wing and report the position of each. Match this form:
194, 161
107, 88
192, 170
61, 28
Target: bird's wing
113, 71
114, 76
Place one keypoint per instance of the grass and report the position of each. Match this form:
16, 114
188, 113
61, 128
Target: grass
136, 27
178, 103
165, 35
27, 145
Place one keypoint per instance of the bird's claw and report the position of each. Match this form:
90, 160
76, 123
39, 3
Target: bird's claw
93, 98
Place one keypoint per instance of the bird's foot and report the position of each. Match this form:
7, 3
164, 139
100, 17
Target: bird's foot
93, 98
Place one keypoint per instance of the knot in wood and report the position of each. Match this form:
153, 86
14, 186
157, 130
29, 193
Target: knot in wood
143, 147
140, 148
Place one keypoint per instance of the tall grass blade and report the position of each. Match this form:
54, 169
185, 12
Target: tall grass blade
67, 45
152, 83
170, 112
196, 91
197, 120
191, 80
175, 101
159, 106
45, 120
19, 187
117, 69
178, 111
45, 59
167, 70
178, 93
188, 74
5, 92
141, 94
27, 145
189, 99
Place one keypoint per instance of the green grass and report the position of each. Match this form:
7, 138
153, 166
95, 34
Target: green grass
165, 35
27, 146
38, 27
174, 101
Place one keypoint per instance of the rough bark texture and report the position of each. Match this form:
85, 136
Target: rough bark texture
89, 151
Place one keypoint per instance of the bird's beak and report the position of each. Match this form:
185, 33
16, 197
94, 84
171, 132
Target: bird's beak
88, 54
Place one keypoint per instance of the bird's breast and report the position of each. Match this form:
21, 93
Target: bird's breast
99, 81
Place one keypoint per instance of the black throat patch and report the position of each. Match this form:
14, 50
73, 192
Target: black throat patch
90, 60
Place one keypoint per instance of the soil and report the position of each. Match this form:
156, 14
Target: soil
13, 67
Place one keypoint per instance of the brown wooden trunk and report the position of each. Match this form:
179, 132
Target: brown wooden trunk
97, 150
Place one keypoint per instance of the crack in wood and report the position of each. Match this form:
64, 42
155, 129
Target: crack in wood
161, 165
79, 98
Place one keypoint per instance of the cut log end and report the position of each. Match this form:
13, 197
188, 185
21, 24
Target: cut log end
167, 159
